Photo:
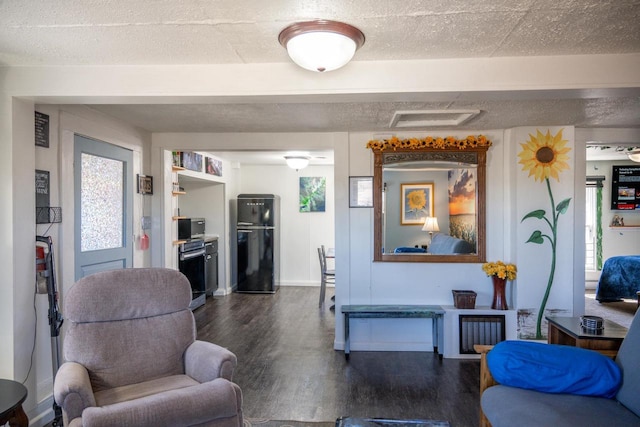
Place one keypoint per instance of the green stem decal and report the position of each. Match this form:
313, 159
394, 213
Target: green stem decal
538, 238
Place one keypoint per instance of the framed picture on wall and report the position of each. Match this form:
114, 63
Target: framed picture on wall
416, 203
360, 191
145, 184
312, 193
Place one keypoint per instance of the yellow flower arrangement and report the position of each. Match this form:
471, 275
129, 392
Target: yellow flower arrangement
500, 269
394, 143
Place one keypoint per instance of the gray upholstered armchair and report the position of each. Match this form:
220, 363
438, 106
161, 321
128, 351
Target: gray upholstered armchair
131, 357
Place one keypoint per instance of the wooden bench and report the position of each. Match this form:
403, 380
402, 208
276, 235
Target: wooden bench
434, 312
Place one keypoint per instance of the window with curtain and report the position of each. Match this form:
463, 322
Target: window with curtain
593, 223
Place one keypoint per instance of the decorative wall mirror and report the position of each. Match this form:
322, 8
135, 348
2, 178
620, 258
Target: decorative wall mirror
429, 199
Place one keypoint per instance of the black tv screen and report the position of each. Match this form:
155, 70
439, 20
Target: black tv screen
625, 188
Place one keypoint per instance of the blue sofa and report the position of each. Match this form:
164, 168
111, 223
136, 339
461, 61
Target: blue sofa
506, 406
443, 244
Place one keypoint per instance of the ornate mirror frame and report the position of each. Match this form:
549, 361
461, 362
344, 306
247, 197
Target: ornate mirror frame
472, 150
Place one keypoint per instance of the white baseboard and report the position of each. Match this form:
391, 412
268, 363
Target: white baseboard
307, 283
42, 414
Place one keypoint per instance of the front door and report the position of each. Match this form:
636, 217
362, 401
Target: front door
103, 199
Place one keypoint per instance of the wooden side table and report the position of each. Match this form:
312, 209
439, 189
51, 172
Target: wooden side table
12, 394
567, 331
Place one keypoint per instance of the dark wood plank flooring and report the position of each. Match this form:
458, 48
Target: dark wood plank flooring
288, 370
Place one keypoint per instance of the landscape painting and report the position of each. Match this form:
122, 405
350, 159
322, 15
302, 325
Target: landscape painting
462, 204
312, 194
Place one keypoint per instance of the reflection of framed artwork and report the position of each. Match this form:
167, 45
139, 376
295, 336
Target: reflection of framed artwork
145, 184
416, 203
360, 191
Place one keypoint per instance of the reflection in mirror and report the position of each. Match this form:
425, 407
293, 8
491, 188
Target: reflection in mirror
429, 199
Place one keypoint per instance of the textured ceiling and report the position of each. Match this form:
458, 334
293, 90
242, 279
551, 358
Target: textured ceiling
142, 32
90, 32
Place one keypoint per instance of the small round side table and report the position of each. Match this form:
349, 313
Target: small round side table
12, 394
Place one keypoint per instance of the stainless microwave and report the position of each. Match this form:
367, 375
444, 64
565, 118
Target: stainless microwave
197, 228
191, 228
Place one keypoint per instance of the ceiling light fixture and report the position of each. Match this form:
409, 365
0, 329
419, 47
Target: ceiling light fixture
321, 45
297, 162
634, 155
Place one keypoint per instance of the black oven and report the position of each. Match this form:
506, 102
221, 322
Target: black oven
191, 263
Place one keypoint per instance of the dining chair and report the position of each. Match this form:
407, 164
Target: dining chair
326, 276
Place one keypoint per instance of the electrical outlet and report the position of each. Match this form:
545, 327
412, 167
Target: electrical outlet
146, 223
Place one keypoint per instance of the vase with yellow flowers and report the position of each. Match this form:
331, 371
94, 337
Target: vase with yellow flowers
499, 272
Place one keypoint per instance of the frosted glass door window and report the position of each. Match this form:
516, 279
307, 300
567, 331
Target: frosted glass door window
102, 204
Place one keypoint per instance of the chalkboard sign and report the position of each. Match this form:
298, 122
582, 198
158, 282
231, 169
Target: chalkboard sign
42, 130
42, 189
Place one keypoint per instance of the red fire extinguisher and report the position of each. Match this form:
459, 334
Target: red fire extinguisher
144, 241
40, 261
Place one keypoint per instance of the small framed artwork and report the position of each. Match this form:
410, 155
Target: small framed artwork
145, 184
312, 193
213, 166
416, 203
360, 191
192, 161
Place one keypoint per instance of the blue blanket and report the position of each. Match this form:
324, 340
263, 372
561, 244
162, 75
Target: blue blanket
620, 278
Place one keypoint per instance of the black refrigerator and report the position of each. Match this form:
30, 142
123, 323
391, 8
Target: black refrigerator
258, 243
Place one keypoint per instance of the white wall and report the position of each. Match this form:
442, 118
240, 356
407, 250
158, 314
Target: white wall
64, 121
249, 179
301, 232
411, 283
533, 277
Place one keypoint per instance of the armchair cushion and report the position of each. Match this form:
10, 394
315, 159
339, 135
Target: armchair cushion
554, 369
187, 406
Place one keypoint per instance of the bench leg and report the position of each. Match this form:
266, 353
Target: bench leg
437, 334
347, 343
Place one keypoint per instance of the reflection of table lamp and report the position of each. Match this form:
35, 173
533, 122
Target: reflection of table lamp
431, 226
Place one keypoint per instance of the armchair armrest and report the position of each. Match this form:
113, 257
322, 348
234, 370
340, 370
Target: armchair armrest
486, 379
205, 361
72, 390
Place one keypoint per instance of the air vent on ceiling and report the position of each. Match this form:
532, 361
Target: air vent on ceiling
422, 118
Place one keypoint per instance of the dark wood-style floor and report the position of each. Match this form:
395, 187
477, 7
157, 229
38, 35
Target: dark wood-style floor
288, 370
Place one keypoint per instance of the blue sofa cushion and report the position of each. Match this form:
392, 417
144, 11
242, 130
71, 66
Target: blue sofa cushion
554, 369
444, 244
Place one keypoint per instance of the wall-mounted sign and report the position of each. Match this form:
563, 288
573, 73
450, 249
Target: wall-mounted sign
42, 130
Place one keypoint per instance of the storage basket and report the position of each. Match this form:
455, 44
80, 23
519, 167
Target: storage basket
464, 299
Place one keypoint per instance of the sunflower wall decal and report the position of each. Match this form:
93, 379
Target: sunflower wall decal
545, 156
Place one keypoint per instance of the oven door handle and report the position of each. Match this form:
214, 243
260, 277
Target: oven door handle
189, 255
245, 231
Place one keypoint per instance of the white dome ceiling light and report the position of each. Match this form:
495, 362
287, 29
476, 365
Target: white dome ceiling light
297, 162
321, 45
634, 155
